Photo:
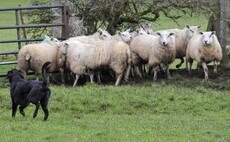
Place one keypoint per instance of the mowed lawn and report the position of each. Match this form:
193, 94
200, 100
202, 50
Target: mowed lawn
183, 109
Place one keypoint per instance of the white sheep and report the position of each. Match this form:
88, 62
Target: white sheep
86, 39
154, 50
204, 48
147, 29
33, 56
86, 58
121, 36
182, 37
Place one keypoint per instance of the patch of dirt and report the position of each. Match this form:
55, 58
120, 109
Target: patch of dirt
180, 77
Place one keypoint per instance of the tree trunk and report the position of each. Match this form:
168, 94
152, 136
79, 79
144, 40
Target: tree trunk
76, 27
220, 22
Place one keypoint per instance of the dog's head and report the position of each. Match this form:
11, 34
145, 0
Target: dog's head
15, 73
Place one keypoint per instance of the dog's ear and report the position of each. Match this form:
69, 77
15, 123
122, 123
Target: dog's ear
9, 74
21, 74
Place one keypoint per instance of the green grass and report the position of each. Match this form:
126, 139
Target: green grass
138, 112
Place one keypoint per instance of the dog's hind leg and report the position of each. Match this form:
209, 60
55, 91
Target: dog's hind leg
44, 103
14, 109
36, 110
21, 108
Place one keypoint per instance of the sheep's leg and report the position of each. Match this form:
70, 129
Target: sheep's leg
62, 76
75, 82
144, 70
205, 68
119, 77
127, 73
98, 76
181, 62
189, 66
36, 75
154, 70
168, 73
91, 75
215, 66
137, 69
154, 74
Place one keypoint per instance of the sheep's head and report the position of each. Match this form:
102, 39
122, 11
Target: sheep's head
147, 28
192, 30
126, 36
62, 54
141, 31
165, 37
55, 42
104, 35
207, 37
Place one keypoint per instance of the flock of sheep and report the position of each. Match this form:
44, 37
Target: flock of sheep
124, 53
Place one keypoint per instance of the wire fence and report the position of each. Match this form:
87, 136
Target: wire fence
12, 31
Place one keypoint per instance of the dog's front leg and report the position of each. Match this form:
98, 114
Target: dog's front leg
36, 110
14, 109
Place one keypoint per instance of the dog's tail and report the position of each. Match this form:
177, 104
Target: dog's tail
44, 73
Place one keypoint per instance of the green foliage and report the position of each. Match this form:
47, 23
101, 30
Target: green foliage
37, 16
118, 15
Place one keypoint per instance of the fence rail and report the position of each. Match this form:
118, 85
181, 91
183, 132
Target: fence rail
64, 27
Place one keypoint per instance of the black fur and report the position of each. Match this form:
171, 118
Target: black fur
25, 92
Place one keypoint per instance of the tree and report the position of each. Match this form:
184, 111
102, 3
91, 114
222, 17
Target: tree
117, 14
219, 22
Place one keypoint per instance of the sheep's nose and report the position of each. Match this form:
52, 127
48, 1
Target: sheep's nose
205, 41
164, 43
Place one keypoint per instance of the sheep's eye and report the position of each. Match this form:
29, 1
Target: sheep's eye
104, 35
192, 31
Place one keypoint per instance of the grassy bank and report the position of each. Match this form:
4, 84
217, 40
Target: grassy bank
138, 112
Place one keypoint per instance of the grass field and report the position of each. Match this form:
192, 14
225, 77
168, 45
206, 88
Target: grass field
183, 109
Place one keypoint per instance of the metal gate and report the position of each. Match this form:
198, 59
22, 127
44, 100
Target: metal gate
64, 25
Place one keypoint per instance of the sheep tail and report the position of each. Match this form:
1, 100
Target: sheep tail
44, 73
27, 57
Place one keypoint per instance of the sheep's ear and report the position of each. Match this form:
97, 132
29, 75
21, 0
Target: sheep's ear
47, 37
141, 26
128, 30
201, 33
119, 32
66, 44
213, 32
158, 33
187, 26
198, 26
99, 31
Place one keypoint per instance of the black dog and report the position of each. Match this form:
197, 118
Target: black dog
25, 92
